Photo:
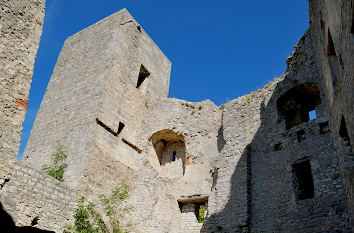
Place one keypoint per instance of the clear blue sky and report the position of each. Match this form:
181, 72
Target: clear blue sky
219, 50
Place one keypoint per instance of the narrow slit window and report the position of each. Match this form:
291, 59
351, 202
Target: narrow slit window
120, 127
352, 28
330, 45
312, 114
344, 138
143, 74
303, 180
100, 123
174, 156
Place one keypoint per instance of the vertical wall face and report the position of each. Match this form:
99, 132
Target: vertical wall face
277, 173
92, 90
20, 31
332, 30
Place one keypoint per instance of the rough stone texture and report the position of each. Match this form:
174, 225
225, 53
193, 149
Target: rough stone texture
239, 160
337, 72
20, 31
32, 193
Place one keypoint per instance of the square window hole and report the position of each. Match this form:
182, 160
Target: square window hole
303, 180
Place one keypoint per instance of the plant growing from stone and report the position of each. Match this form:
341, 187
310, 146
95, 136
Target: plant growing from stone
56, 170
114, 207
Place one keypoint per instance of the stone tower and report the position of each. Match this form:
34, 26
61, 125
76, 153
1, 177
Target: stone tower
103, 77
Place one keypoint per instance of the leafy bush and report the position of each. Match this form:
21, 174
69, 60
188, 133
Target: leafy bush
57, 169
88, 220
201, 213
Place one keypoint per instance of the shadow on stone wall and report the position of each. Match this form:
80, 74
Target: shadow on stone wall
7, 225
236, 216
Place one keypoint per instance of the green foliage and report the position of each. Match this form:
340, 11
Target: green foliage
88, 220
291, 104
57, 169
201, 213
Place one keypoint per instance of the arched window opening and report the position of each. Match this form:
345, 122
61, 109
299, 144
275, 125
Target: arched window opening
169, 147
296, 105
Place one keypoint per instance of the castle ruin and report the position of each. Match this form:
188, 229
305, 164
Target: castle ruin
257, 163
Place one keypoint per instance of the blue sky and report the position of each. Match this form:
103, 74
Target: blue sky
219, 50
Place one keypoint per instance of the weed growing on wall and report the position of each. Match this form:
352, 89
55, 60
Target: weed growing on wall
56, 170
114, 207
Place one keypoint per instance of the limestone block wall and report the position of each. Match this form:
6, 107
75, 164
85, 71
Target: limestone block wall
331, 27
21, 24
31, 194
255, 188
94, 85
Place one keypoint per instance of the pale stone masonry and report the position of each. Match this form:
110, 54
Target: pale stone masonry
256, 164
21, 24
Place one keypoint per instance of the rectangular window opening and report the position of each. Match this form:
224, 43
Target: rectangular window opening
300, 136
106, 127
312, 114
120, 127
143, 74
278, 146
324, 128
303, 180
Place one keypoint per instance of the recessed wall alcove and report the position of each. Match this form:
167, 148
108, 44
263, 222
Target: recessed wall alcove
169, 147
295, 105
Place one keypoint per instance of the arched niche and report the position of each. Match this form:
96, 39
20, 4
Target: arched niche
169, 147
294, 106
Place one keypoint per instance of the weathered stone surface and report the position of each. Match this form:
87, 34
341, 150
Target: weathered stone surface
257, 163
20, 31
334, 21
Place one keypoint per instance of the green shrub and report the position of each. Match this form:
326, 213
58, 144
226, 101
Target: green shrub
57, 169
88, 219
201, 213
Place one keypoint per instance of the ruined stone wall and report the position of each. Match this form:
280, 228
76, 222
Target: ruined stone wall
332, 30
20, 31
33, 194
255, 188
107, 105
94, 85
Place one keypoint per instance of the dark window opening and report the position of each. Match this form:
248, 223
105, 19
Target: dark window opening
296, 105
300, 136
303, 180
143, 74
322, 23
120, 127
35, 221
174, 156
106, 127
344, 137
330, 45
324, 128
352, 28
278, 146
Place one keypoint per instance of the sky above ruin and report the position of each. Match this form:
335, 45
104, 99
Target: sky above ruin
219, 50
